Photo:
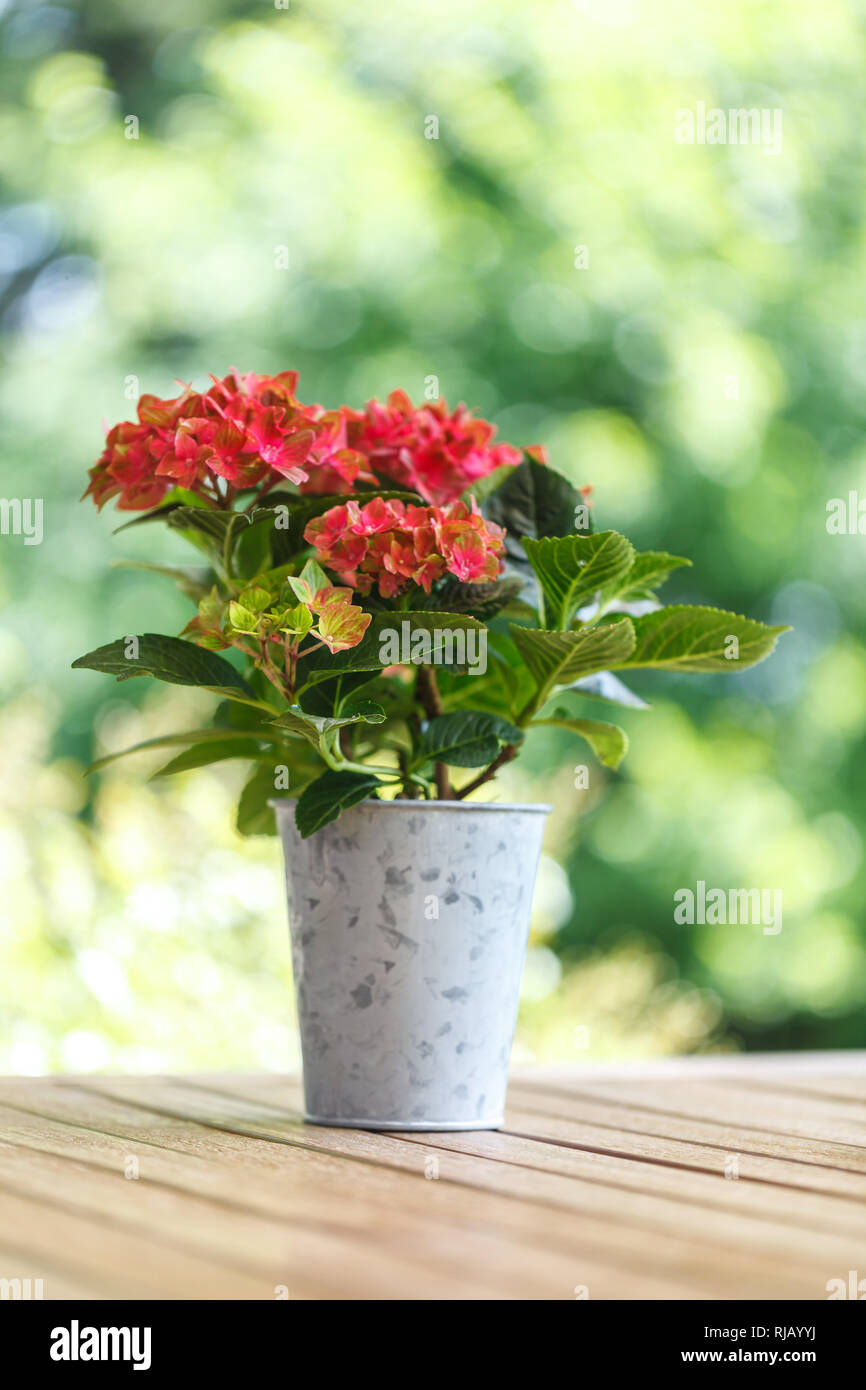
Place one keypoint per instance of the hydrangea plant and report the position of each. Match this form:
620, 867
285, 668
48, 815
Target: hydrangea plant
400, 600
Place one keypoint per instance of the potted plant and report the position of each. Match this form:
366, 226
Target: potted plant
390, 603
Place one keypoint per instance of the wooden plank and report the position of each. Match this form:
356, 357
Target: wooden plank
600, 1110
304, 1201
839, 1063
108, 1260
718, 1160
838, 1090
615, 1182
676, 1154
54, 1281
316, 1252
705, 1151
613, 1256
272, 1192
714, 1222
827, 1129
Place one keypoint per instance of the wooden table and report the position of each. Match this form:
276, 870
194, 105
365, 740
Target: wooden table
739, 1178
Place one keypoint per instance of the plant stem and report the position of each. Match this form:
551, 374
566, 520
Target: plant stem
504, 756
410, 780
227, 554
509, 752
263, 489
443, 783
307, 650
333, 756
268, 668
427, 691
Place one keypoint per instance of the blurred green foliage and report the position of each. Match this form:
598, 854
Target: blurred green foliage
683, 325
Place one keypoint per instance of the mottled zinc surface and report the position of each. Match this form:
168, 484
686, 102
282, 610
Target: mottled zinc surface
409, 927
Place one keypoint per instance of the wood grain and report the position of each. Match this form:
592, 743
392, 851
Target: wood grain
740, 1178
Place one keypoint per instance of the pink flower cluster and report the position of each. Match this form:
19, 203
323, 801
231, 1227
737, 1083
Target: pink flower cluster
251, 431
245, 429
428, 449
391, 545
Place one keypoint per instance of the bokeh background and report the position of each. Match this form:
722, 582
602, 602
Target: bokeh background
701, 361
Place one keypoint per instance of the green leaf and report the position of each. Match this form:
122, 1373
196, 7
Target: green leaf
328, 696
167, 659
313, 727
490, 694
608, 742
158, 514
246, 738
466, 738
203, 754
229, 714
363, 712
241, 619
367, 656
252, 552
213, 524
556, 658
177, 497
222, 533
255, 816
195, 583
297, 620
322, 801
606, 686
308, 583
572, 570
482, 601
534, 500
648, 572
255, 598
274, 580
684, 638
482, 488
215, 530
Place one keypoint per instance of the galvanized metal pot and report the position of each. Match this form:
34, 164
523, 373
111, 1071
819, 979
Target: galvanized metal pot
409, 923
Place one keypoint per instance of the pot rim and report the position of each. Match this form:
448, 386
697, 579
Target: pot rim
540, 807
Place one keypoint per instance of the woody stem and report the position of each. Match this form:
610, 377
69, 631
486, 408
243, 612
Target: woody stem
504, 756
427, 692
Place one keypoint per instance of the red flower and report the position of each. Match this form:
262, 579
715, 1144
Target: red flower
251, 430
337, 466
244, 429
392, 545
133, 460
435, 452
